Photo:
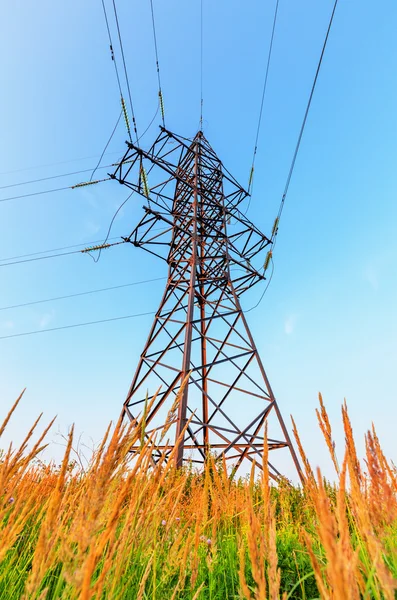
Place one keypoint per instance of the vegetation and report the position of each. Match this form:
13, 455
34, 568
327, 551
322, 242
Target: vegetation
116, 529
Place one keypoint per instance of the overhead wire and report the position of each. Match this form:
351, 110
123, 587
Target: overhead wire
3, 187
269, 56
96, 259
161, 99
201, 66
273, 238
82, 251
264, 291
126, 74
96, 291
113, 57
151, 122
36, 193
91, 170
24, 333
298, 143
62, 162
106, 146
55, 250
69, 187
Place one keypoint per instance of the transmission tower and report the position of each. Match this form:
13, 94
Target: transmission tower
200, 335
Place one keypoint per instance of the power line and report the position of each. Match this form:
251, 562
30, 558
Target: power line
269, 56
111, 48
277, 221
96, 291
275, 228
201, 65
264, 291
113, 57
35, 194
125, 72
106, 146
3, 187
124, 202
69, 187
151, 122
111, 224
83, 251
161, 100
55, 250
62, 162
144, 314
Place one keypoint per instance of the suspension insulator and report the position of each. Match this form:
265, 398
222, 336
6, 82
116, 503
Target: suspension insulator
267, 261
251, 177
123, 162
161, 104
94, 248
275, 226
146, 189
125, 113
84, 183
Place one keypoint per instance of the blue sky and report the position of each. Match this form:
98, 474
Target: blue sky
327, 322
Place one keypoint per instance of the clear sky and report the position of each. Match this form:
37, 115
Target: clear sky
328, 321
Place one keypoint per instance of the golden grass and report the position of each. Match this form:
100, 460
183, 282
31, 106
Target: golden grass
120, 530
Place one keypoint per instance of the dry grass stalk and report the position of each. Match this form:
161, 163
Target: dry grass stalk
170, 526
325, 426
308, 474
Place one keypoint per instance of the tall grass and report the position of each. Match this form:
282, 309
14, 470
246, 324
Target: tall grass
118, 529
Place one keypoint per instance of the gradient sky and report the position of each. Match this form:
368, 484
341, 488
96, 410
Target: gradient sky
328, 321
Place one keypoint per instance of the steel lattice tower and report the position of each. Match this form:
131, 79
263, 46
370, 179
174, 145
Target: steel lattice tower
192, 221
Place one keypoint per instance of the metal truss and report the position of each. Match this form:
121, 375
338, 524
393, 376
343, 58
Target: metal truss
192, 221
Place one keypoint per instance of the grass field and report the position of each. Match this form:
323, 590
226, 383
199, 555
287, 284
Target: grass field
117, 530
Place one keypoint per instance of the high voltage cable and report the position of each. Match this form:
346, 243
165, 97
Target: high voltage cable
123, 203
269, 56
69, 187
62, 162
115, 287
3, 187
126, 200
17, 262
83, 251
125, 72
91, 170
277, 221
106, 146
264, 291
113, 57
55, 249
35, 194
111, 224
81, 246
111, 48
201, 65
161, 99
13, 335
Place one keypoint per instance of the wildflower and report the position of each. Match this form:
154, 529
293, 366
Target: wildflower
163, 522
209, 542
177, 519
11, 500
